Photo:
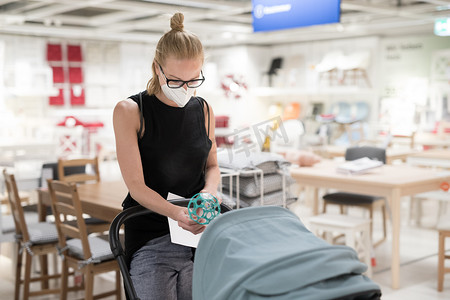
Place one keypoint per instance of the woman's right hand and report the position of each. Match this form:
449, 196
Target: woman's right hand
185, 222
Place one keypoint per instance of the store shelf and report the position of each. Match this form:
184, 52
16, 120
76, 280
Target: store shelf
82, 111
293, 91
28, 92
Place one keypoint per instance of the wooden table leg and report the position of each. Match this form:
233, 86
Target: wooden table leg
395, 263
312, 198
316, 201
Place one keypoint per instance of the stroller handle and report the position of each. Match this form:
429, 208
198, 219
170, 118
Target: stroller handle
116, 247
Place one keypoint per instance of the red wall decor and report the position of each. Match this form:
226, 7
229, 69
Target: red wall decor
75, 75
74, 53
57, 100
77, 95
58, 74
66, 62
54, 52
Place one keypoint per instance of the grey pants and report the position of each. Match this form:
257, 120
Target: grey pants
162, 270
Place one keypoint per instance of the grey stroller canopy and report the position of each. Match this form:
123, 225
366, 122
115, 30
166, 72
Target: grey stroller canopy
262, 252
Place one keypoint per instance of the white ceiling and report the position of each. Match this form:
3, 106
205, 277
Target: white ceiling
218, 22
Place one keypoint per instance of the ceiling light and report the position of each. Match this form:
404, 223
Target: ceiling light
443, 7
227, 35
14, 20
442, 27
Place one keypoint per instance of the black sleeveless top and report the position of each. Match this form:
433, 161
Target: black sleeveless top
174, 150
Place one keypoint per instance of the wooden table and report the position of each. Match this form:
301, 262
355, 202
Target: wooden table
392, 154
101, 200
390, 181
437, 158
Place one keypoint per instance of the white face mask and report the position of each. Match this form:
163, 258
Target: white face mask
180, 95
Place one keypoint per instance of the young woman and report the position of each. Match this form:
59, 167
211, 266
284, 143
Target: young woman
165, 143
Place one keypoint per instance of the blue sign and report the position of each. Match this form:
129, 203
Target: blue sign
271, 15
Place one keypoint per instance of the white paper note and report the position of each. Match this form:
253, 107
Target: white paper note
179, 235
183, 237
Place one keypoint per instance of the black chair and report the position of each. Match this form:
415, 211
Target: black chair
368, 202
275, 65
116, 244
50, 171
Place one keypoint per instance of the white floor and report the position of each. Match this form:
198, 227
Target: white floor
418, 248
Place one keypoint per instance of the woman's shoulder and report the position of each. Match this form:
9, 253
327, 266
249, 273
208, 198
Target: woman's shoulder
124, 110
133, 102
137, 97
127, 104
201, 101
206, 106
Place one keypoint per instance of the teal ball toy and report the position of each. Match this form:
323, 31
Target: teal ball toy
203, 208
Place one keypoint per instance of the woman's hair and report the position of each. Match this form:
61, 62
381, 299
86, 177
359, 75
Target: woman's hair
177, 43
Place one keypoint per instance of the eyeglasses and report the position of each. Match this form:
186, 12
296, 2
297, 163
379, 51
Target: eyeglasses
175, 84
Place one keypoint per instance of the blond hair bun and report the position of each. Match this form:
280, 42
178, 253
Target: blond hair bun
176, 22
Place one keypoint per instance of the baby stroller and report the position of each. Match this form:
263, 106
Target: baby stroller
266, 251
262, 252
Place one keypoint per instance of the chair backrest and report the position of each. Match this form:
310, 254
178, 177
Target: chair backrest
404, 136
66, 203
16, 206
80, 176
355, 132
375, 153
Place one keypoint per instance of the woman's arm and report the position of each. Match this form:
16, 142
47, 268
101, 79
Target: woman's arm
126, 125
212, 176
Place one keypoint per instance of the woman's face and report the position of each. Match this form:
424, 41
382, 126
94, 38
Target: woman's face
179, 69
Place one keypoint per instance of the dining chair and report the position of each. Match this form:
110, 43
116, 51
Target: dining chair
356, 232
403, 138
87, 254
40, 239
416, 204
82, 176
444, 232
76, 171
368, 202
8, 227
